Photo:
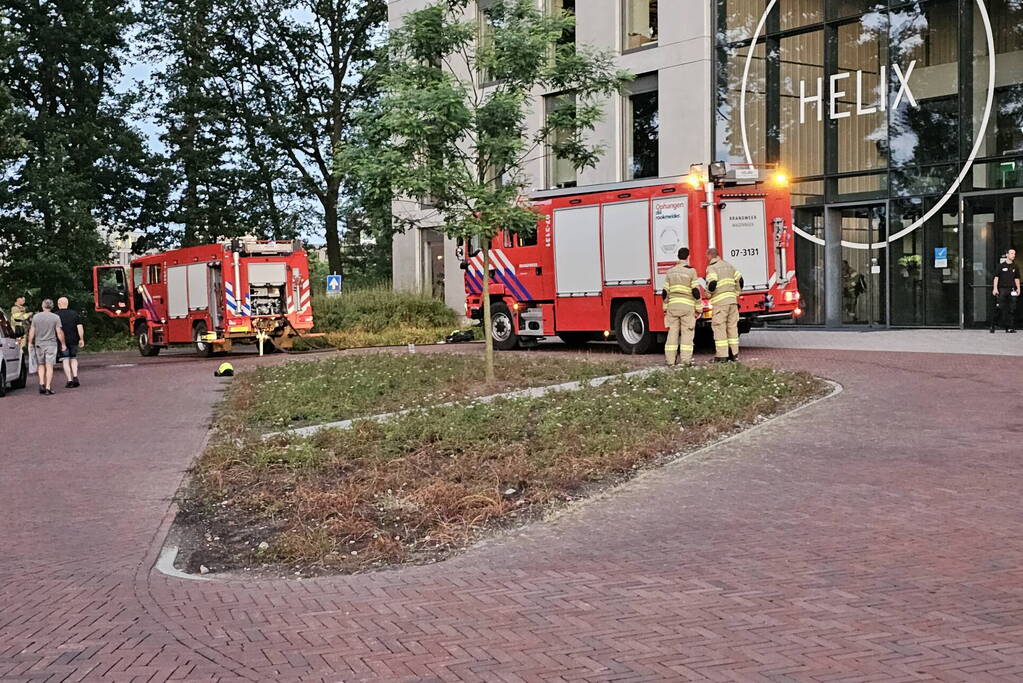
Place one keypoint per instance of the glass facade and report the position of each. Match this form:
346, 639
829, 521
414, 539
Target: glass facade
874, 108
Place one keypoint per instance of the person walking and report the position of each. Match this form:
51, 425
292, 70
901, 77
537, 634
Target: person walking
724, 282
1006, 289
681, 292
74, 337
45, 337
20, 318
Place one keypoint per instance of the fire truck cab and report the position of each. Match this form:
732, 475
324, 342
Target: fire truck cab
242, 291
595, 267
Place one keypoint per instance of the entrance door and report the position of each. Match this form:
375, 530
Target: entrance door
994, 223
864, 265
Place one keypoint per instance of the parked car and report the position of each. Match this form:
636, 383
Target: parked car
13, 358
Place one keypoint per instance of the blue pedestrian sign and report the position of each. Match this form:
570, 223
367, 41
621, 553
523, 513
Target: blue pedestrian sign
941, 257
333, 284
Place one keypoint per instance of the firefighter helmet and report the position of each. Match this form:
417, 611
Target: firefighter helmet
225, 370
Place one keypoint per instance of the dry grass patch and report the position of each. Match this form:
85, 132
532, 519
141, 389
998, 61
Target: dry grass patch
434, 480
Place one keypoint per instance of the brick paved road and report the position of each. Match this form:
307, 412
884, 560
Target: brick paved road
874, 536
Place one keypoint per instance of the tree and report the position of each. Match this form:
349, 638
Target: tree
295, 79
461, 148
229, 179
76, 166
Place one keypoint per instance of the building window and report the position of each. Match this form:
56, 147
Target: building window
640, 24
559, 110
486, 40
568, 7
642, 129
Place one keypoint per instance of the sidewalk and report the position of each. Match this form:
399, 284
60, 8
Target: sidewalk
920, 341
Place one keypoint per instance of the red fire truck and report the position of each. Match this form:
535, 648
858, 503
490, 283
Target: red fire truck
239, 292
596, 266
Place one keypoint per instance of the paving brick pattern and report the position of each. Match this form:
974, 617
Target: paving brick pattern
873, 536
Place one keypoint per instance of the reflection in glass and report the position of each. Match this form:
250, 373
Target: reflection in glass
924, 127
862, 124
797, 13
810, 265
924, 289
1004, 134
800, 131
863, 270
642, 135
560, 172
640, 23
732, 61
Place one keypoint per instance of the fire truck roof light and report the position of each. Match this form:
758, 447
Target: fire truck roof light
694, 180
780, 179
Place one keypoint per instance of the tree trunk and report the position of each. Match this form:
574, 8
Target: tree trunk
488, 338
329, 202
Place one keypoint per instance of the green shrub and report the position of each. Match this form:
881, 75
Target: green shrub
376, 309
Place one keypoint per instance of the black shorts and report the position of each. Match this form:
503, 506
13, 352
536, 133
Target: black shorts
70, 351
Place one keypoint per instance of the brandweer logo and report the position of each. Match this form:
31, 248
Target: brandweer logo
816, 100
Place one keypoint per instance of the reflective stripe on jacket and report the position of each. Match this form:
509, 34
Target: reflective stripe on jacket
679, 283
727, 278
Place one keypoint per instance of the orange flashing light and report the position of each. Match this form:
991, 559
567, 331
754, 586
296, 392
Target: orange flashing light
780, 179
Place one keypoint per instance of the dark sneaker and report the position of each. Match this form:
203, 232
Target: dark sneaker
733, 359
49, 392
42, 390
75, 382
69, 385
1011, 330
992, 330
720, 360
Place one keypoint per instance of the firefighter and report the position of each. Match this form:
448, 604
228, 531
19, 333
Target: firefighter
20, 318
681, 292
724, 282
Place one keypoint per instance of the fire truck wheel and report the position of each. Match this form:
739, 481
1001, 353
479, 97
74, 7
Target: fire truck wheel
632, 328
502, 328
203, 348
142, 340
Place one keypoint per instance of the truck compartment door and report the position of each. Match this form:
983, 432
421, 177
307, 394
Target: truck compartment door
110, 290
177, 292
577, 251
744, 241
671, 233
626, 234
198, 294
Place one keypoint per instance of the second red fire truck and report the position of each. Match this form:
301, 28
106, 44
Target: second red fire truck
595, 267
242, 291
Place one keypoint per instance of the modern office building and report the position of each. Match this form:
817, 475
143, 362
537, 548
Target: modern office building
901, 124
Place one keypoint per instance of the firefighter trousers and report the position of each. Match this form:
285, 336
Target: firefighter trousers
678, 349
725, 323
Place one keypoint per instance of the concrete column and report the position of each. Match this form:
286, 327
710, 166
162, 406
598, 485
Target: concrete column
832, 267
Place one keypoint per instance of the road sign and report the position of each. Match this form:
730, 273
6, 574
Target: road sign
333, 285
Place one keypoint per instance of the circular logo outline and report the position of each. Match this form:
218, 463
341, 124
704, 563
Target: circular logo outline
952, 188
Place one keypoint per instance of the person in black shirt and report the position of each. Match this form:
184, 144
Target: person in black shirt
1006, 290
74, 337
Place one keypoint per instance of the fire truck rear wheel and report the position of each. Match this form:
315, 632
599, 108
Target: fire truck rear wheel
142, 340
502, 327
201, 347
632, 328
